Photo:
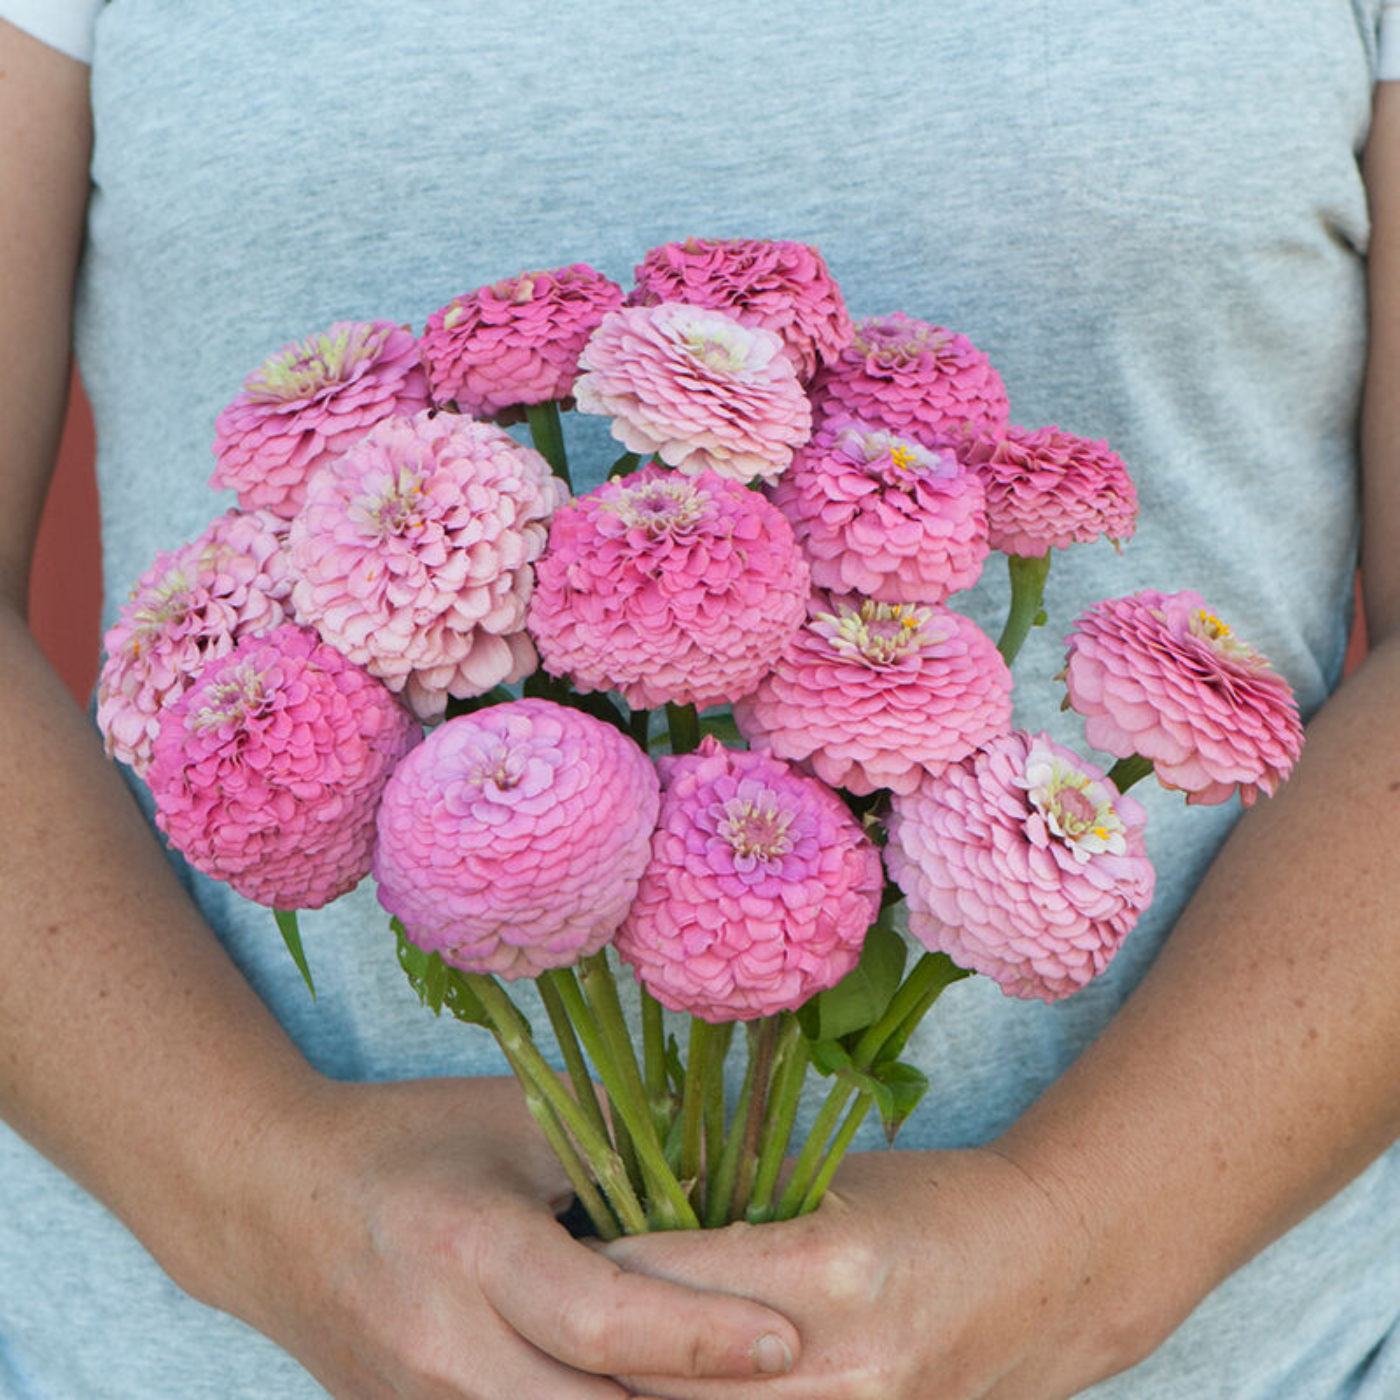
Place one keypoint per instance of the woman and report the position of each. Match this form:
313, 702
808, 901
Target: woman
1156, 226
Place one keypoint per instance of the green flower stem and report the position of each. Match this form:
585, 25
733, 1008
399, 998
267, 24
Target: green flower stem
726, 1169
684, 726
931, 973
715, 1104
788, 1080
658, 1090
840, 1143
765, 1049
590, 1198
547, 433
574, 1062
512, 1032
639, 727
1128, 771
623, 1081
1027, 595
699, 1067
809, 1160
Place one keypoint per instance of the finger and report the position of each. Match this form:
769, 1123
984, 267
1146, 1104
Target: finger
599, 1318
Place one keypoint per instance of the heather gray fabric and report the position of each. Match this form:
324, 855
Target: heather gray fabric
1151, 217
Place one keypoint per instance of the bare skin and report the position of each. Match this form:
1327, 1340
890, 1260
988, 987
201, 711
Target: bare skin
397, 1239
1249, 1078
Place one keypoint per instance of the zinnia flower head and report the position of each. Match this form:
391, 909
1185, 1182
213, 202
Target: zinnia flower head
697, 389
413, 555
308, 403
759, 892
1049, 489
189, 608
1022, 862
869, 695
883, 515
516, 341
781, 286
512, 840
915, 379
268, 770
1162, 676
668, 588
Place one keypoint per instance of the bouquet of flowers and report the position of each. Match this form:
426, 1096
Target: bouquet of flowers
715, 720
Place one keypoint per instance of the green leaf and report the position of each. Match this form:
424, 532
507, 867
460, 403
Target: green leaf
1040, 619
291, 936
498, 695
543, 686
675, 1066
720, 724
829, 1057
437, 984
859, 999
624, 466
904, 1087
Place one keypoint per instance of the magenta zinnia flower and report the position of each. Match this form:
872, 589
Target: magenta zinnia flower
1162, 676
869, 695
1049, 489
516, 341
759, 892
268, 770
915, 379
310, 401
669, 589
883, 515
189, 608
781, 286
413, 553
512, 840
1022, 862
696, 388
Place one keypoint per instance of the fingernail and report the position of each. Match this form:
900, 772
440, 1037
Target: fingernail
771, 1356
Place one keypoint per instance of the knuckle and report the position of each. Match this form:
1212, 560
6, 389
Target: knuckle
585, 1332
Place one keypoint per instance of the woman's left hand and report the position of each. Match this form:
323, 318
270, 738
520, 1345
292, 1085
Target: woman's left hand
923, 1276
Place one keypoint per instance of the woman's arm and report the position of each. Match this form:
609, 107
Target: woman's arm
395, 1238
1249, 1078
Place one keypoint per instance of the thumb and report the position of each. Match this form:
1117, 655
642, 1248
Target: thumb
594, 1316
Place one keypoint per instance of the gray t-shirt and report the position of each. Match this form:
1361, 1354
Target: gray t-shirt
1152, 219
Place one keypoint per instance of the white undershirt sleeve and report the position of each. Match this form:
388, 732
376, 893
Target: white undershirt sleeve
1388, 57
65, 25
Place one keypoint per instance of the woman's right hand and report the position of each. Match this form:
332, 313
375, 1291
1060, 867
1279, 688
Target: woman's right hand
399, 1240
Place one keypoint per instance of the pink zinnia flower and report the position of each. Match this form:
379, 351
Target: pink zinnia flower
413, 553
760, 889
869, 695
1022, 862
668, 589
1049, 489
268, 770
915, 379
781, 286
310, 401
1162, 676
516, 341
186, 610
883, 515
696, 388
512, 841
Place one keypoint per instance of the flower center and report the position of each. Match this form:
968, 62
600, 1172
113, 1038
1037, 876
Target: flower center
396, 510
311, 364
881, 633
756, 827
893, 344
167, 603
1206, 627
884, 453
715, 348
235, 699
660, 507
1075, 807
497, 765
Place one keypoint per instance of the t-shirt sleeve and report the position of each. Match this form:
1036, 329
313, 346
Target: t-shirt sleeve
62, 24
1388, 57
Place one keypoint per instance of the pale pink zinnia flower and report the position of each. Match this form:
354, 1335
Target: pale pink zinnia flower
1024, 863
667, 588
268, 770
517, 341
883, 515
869, 695
697, 389
512, 840
1049, 489
413, 555
1162, 676
310, 401
915, 379
188, 609
759, 892
781, 286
